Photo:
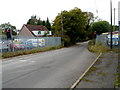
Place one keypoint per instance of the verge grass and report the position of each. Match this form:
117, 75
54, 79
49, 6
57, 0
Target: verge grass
97, 48
26, 52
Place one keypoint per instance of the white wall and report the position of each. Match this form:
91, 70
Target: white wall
42, 33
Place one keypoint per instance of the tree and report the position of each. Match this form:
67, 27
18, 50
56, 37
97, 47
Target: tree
33, 20
43, 23
90, 20
115, 28
100, 27
48, 25
74, 23
13, 28
39, 22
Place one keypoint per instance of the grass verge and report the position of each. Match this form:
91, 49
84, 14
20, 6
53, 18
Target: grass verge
97, 48
117, 80
26, 52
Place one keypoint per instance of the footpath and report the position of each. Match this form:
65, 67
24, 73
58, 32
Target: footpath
103, 73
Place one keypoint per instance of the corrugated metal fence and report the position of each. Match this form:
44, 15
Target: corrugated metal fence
25, 43
106, 42
102, 39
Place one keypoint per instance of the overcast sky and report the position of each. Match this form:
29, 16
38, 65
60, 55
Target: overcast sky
17, 12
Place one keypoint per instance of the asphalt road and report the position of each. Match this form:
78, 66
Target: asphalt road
51, 69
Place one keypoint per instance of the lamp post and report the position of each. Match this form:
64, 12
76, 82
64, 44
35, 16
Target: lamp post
111, 24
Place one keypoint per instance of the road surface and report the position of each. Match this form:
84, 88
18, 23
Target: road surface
51, 69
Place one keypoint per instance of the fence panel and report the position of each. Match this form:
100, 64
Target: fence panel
106, 42
102, 39
26, 43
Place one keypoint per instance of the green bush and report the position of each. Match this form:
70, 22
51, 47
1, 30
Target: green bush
67, 41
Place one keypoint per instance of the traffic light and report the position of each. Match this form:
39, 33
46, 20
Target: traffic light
8, 33
94, 34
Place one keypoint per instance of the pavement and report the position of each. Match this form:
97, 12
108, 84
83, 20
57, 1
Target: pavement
102, 74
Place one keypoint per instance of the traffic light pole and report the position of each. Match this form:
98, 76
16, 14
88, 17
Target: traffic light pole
12, 41
9, 39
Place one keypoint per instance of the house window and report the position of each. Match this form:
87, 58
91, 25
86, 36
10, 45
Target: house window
39, 32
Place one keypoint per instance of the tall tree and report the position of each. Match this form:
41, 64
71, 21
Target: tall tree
48, 25
73, 23
43, 23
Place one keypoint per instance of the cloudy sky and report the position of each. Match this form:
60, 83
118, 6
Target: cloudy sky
17, 12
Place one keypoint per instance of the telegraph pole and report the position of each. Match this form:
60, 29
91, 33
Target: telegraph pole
111, 23
62, 29
114, 18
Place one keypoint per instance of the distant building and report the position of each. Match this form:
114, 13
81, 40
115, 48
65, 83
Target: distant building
34, 31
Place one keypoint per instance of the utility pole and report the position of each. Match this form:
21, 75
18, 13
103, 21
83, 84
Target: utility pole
114, 19
62, 29
111, 23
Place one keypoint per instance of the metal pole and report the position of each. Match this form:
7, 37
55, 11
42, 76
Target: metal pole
114, 16
12, 40
111, 23
62, 27
114, 19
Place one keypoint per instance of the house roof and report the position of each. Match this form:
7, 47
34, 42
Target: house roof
35, 28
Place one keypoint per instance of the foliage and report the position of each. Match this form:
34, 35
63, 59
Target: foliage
33, 20
115, 28
6, 25
37, 21
48, 25
90, 20
101, 27
74, 23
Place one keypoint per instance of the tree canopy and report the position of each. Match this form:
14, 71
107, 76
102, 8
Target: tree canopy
37, 21
101, 27
13, 28
74, 23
